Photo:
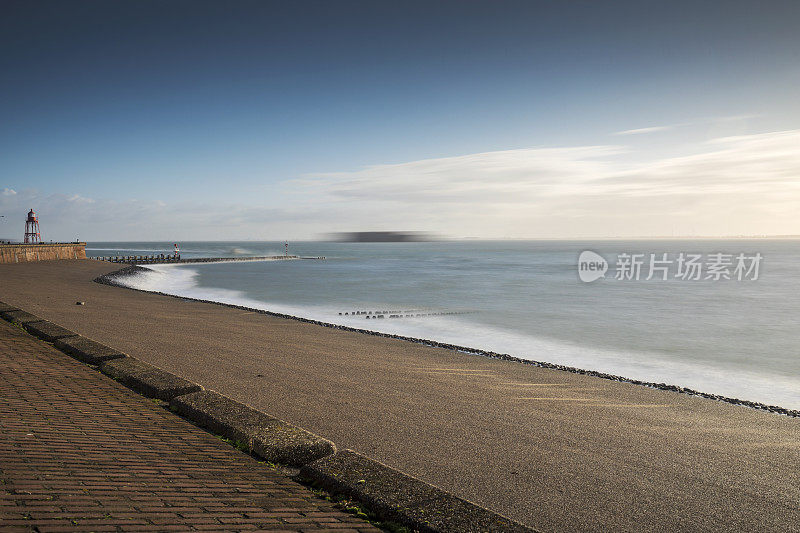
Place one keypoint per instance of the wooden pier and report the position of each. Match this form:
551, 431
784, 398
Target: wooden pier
173, 258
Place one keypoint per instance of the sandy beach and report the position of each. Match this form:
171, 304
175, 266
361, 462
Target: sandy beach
554, 450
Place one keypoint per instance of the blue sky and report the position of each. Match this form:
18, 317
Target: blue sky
271, 120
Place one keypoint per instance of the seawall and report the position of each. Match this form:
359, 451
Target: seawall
25, 253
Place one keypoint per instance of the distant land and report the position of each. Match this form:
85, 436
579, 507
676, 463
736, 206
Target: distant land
381, 236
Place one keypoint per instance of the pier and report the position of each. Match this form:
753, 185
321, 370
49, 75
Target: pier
408, 313
172, 258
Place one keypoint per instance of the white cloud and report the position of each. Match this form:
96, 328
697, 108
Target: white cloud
9, 192
640, 131
78, 199
745, 164
706, 120
489, 177
733, 185
747, 184
734, 118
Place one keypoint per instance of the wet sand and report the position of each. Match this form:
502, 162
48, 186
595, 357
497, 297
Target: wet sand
555, 450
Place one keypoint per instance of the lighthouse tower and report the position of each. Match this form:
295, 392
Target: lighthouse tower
32, 234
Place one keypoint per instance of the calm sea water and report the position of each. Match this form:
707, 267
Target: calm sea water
735, 338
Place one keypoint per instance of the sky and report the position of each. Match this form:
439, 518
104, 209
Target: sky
237, 120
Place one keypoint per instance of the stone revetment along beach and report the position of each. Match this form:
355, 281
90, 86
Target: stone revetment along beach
548, 449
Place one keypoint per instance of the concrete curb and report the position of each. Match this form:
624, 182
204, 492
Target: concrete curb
19, 316
87, 350
6, 307
147, 379
402, 498
47, 330
274, 440
389, 493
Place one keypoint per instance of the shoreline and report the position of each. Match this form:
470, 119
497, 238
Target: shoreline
110, 279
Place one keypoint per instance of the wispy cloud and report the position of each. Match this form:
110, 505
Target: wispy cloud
730, 186
706, 120
746, 163
78, 199
745, 184
9, 192
734, 118
640, 131
489, 177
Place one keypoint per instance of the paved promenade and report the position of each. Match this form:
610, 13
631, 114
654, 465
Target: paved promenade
557, 451
79, 452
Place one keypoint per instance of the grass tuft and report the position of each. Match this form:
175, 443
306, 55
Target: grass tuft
355, 508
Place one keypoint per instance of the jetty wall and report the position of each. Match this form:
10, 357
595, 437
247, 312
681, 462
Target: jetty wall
25, 253
168, 258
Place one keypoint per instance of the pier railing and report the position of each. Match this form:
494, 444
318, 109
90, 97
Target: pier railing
158, 258
176, 258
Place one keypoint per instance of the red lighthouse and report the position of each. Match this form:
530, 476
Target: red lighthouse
32, 235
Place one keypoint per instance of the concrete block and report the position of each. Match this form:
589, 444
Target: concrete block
87, 350
20, 317
402, 498
47, 330
270, 438
147, 379
6, 307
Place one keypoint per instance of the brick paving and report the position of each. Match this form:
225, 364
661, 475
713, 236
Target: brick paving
79, 452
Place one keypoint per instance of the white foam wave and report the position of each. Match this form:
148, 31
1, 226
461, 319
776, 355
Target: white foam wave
181, 280
240, 251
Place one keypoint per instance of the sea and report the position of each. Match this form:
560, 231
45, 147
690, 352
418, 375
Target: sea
727, 326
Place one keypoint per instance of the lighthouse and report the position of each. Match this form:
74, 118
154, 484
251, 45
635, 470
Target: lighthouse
32, 235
